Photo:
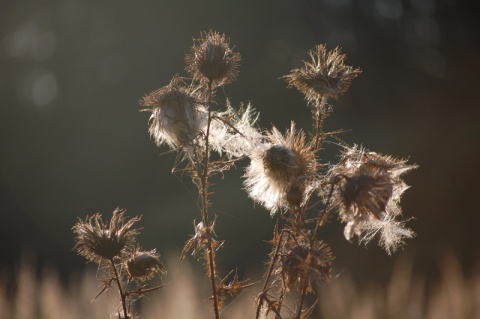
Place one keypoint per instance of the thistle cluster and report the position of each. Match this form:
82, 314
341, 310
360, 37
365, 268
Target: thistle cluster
284, 174
209, 137
113, 246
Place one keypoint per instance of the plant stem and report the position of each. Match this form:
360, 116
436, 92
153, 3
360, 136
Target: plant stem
323, 213
120, 290
319, 115
204, 195
300, 301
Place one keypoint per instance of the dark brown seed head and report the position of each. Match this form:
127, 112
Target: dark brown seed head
212, 59
368, 190
280, 161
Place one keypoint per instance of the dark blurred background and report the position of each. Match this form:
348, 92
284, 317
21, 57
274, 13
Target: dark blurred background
73, 141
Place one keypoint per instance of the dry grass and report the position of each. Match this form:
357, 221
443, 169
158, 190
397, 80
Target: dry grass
454, 295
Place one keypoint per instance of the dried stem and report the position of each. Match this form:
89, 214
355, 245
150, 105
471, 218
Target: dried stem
323, 214
204, 196
300, 301
319, 115
123, 296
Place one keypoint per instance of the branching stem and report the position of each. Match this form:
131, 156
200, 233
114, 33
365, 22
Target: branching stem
204, 196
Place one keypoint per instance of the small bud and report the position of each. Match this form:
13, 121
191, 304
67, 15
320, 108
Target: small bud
295, 193
144, 265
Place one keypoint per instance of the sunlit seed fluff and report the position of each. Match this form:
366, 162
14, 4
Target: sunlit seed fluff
305, 265
233, 132
391, 233
143, 265
177, 116
212, 59
282, 171
99, 241
326, 76
368, 196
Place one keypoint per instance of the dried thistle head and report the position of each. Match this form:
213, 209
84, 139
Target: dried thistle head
326, 76
212, 59
304, 264
143, 265
99, 241
283, 171
177, 116
368, 195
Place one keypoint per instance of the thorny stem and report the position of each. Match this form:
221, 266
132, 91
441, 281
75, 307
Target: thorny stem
272, 263
204, 195
301, 299
269, 274
318, 118
318, 123
123, 296
324, 212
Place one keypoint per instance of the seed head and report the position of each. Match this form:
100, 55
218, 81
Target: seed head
282, 171
368, 195
143, 265
326, 76
212, 59
177, 116
99, 241
303, 264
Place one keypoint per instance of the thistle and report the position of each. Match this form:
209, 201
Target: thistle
177, 116
282, 171
368, 196
112, 245
326, 76
212, 60
283, 175
98, 241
